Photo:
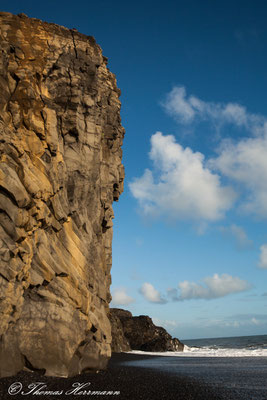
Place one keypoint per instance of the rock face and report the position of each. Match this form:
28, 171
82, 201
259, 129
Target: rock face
119, 341
139, 333
60, 171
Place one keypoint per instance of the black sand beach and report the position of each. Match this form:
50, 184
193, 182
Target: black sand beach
133, 383
145, 377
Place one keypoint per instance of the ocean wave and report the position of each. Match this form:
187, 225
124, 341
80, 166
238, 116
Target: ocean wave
208, 351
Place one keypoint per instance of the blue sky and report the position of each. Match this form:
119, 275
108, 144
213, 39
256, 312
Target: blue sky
190, 237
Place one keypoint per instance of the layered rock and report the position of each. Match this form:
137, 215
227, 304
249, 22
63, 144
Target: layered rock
60, 171
139, 333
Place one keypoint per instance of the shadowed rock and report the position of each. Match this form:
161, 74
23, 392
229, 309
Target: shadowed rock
60, 171
139, 333
119, 341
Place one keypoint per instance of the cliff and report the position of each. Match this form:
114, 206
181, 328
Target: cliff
119, 342
60, 171
139, 333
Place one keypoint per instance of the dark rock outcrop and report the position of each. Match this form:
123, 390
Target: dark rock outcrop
60, 171
139, 333
119, 341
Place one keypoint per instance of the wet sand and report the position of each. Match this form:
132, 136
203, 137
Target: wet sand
132, 383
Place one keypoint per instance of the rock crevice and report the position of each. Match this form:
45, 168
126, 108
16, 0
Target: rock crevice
60, 171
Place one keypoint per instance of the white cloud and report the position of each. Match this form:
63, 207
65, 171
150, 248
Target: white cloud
243, 161
190, 187
263, 256
120, 297
187, 109
185, 188
238, 233
151, 294
212, 288
177, 105
246, 163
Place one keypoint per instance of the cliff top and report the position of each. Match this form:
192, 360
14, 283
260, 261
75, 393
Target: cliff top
49, 26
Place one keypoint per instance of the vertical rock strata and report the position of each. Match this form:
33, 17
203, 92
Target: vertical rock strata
60, 171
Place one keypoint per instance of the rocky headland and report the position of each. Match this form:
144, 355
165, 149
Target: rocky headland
139, 333
60, 171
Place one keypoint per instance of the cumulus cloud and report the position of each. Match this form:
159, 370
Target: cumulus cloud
179, 106
246, 163
212, 288
243, 161
187, 109
183, 185
263, 256
151, 294
185, 188
238, 234
120, 297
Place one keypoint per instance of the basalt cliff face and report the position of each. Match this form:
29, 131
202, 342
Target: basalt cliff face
60, 171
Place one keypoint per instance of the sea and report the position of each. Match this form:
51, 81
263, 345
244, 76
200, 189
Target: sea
236, 367
240, 346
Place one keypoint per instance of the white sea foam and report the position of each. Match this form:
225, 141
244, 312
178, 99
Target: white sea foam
208, 352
